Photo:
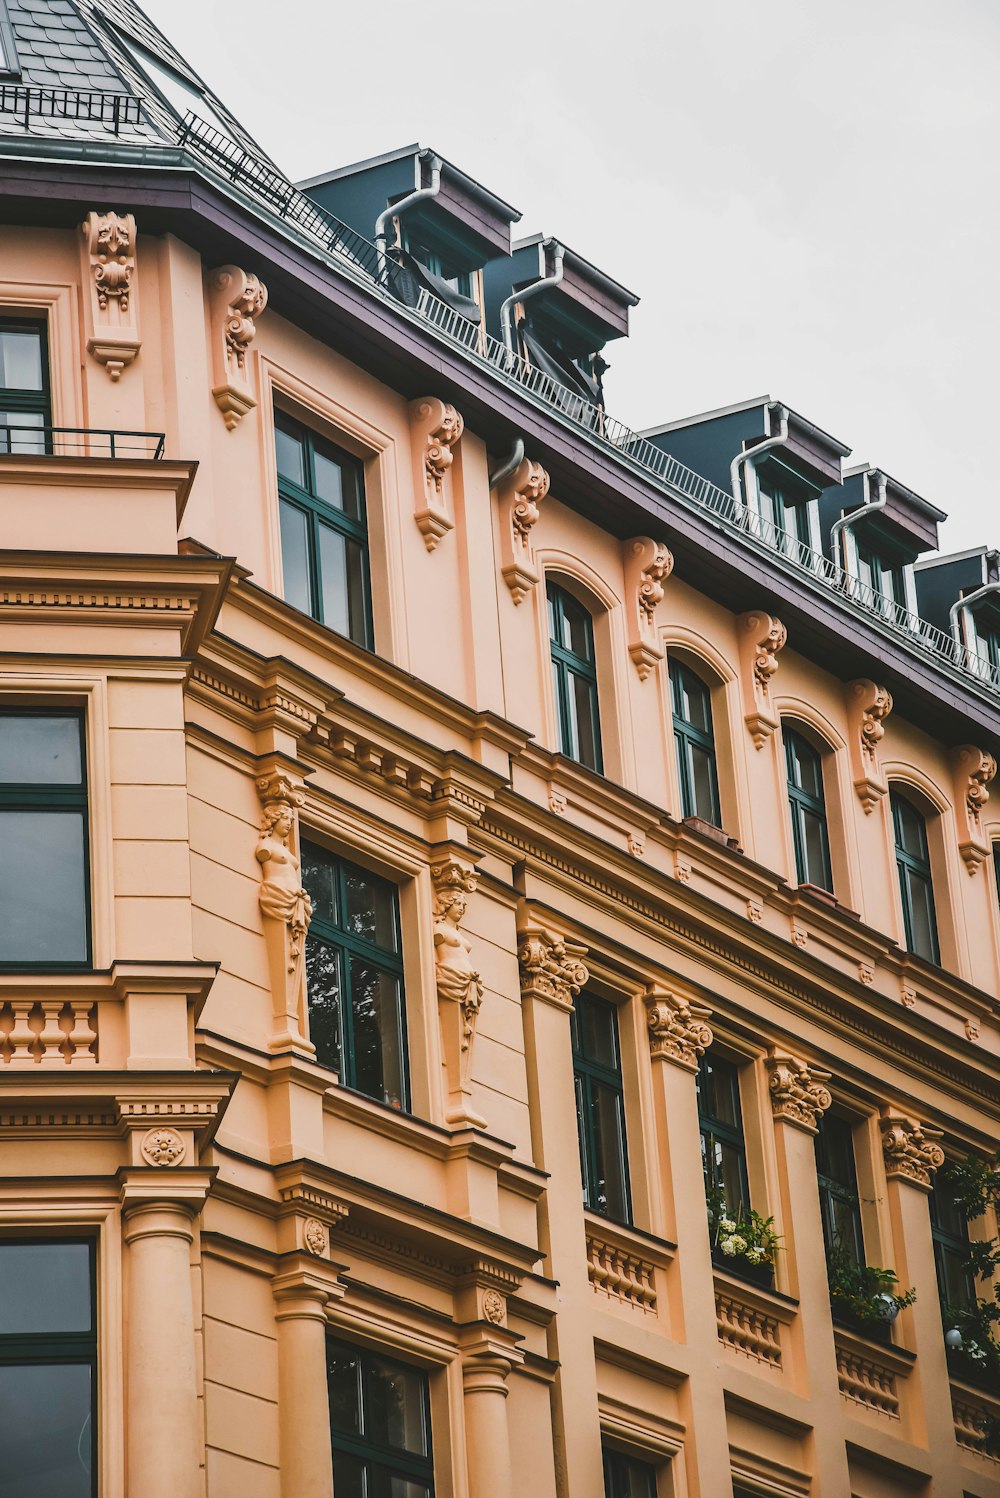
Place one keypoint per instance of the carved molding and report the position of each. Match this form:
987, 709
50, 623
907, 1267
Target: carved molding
761, 637
870, 706
459, 986
110, 289
551, 969
973, 771
238, 297
621, 1274
911, 1150
162, 1146
797, 1091
520, 497
437, 431
747, 1329
285, 907
648, 564
677, 1028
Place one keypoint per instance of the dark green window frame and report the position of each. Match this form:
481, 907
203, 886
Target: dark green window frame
570, 668
950, 1237
34, 406
436, 258
805, 807
788, 517
347, 944
883, 575
627, 1476
306, 501
839, 1198
593, 1077
60, 1349
996, 871
380, 1460
42, 797
689, 737
914, 869
720, 1137
988, 644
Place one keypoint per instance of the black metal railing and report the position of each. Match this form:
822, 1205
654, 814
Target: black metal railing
89, 107
77, 442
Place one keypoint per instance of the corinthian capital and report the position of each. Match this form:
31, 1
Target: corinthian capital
911, 1150
551, 969
798, 1093
677, 1028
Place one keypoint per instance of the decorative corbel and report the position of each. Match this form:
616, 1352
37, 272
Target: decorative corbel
798, 1092
552, 970
973, 770
870, 706
237, 298
520, 496
110, 289
285, 907
911, 1150
761, 637
648, 564
437, 431
459, 986
677, 1028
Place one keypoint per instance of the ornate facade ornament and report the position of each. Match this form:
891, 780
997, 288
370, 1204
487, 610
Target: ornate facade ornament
870, 706
437, 431
551, 969
761, 637
557, 802
755, 912
494, 1307
973, 771
316, 1237
648, 564
110, 289
520, 496
798, 1094
285, 907
238, 297
677, 1028
162, 1146
637, 845
911, 1150
866, 974
459, 986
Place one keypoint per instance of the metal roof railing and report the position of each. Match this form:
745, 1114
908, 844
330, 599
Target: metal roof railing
85, 106
25, 440
337, 239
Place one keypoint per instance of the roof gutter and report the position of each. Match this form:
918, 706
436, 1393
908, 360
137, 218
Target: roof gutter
846, 521
507, 307
749, 454
419, 195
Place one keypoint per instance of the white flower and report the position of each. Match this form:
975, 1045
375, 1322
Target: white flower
728, 1246
727, 1225
755, 1255
739, 1244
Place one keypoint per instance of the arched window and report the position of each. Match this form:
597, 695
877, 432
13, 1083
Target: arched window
916, 888
804, 769
691, 703
574, 675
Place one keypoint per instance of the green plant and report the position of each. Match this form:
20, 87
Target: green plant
744, 1235
979, 1353
974, 1185
864, 1293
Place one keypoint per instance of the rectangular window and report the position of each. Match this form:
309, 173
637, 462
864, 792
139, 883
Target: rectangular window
804, 769
723, 1149
44, 881
883, 580
380, 1425
574, 673
916, 885
691, 703
25, 401
600, 1107
48, 1369
627, 1477
324, 530
354, 976
838, 1189
950, 1233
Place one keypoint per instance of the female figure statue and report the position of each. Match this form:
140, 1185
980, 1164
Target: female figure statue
457, 979
281, 894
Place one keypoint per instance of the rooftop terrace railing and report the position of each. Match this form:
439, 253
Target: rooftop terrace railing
27, 439
87, 106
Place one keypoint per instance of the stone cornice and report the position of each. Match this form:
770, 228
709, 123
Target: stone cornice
148, 474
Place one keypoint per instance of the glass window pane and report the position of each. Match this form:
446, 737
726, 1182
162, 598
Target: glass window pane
394, 1406
377, 1024
21, 359
814, 850
324, 991
46, 1433
319, 877
17, 429
45, 1287
694, 701
343, 1366
371, 908
43, 887
584, 711
718, 1092
702, 766
382, 1482
40, 750
835, 1152
289, 453
577, 628
295, 556
348, 1476
328, 478
608, 1193
923, 932
333, 580
598, 1030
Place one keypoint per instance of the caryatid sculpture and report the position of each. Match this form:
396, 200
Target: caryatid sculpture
459, 986
286, 908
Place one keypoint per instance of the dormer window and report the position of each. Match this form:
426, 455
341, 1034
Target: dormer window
883, 575
436, 259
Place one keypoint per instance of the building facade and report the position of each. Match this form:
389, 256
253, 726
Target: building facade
426, 797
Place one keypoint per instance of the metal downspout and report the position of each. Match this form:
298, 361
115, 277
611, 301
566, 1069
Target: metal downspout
750, 453
846, 521
509, 465
395, 209
507, 307
958, 607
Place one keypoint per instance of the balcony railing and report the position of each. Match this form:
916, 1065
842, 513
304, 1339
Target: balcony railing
81, 105
78, 442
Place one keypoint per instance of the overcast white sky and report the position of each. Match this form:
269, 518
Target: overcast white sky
805, 195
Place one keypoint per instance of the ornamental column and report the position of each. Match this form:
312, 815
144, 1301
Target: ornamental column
678, 1037
912, 1155
799, 1098
552, 974
489, 1352
163, 1432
